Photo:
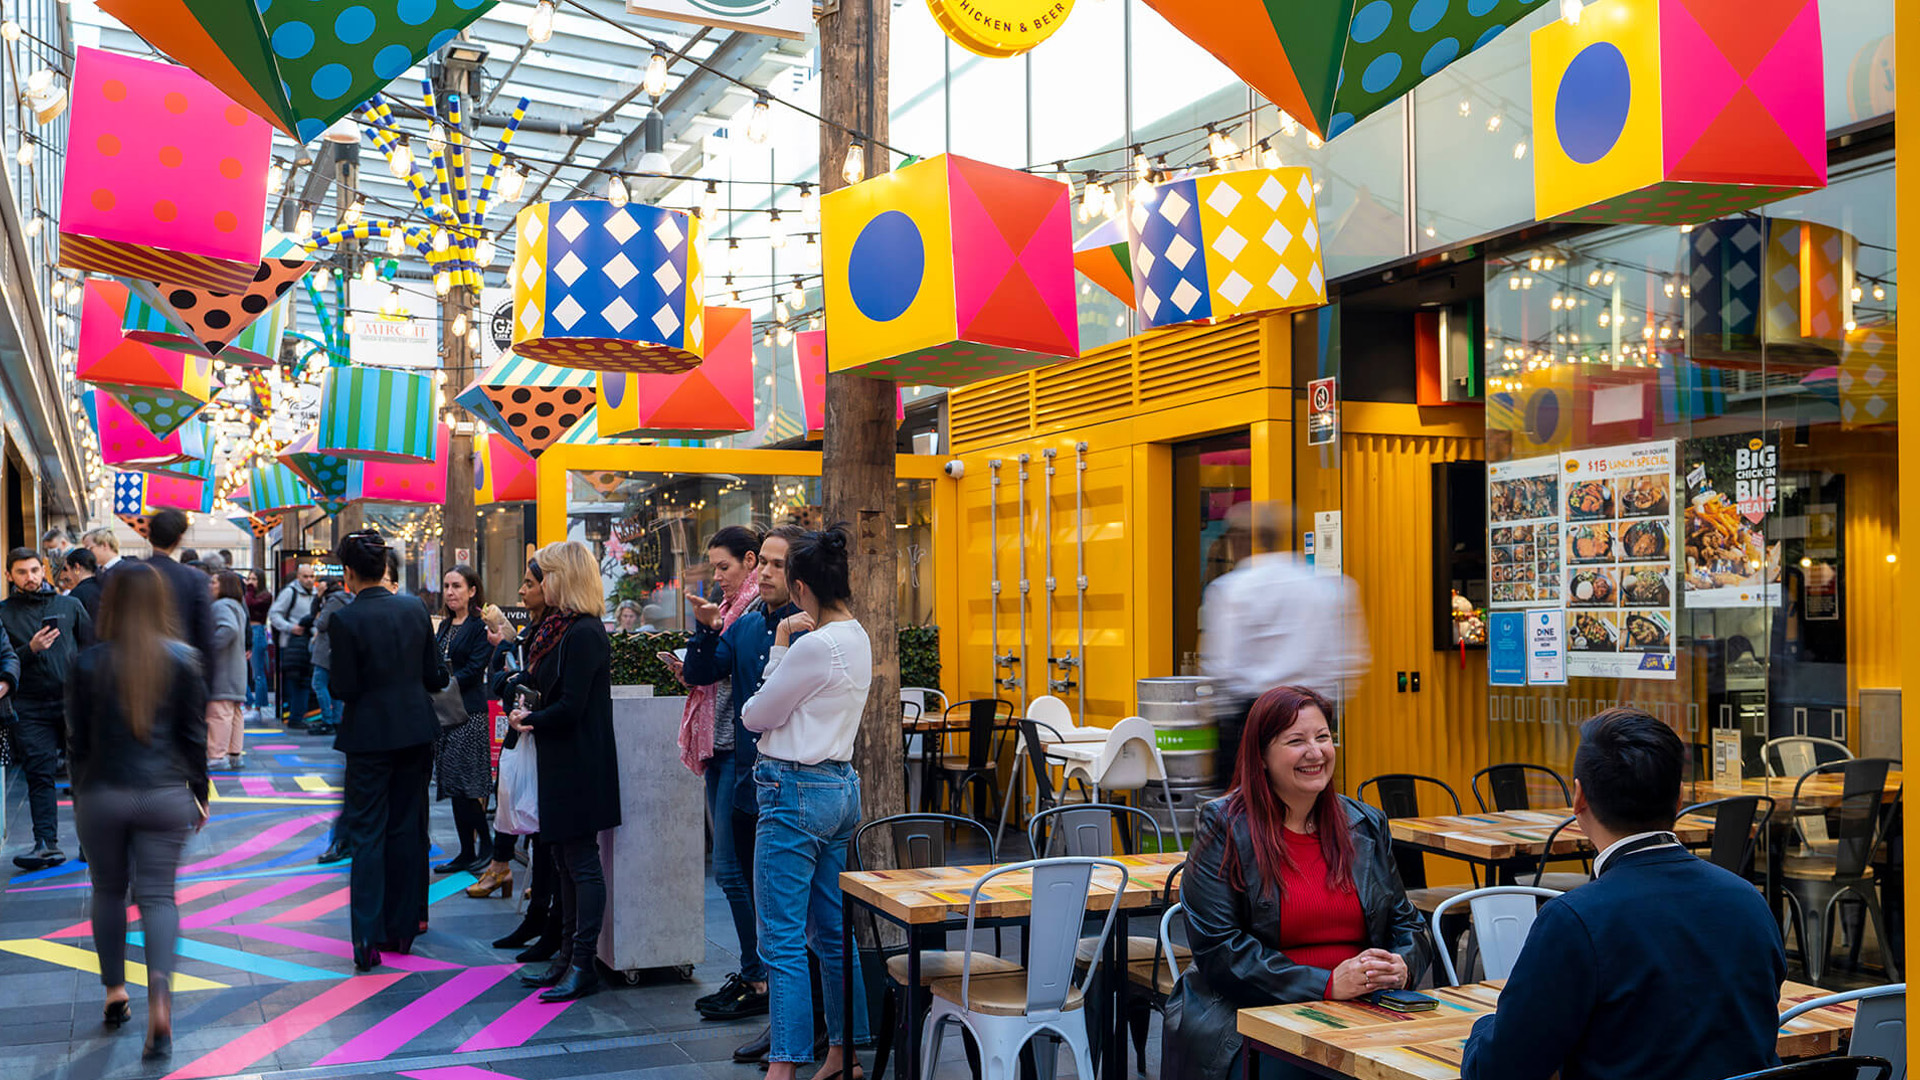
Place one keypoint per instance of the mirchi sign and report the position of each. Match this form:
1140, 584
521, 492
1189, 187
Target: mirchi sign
1000, 28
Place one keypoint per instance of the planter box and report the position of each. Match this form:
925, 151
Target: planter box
655, 863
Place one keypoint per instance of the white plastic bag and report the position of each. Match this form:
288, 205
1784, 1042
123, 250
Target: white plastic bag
519, 811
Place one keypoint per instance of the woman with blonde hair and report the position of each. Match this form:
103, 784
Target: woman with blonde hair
569, 667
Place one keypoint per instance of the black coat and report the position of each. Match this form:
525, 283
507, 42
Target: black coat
88, 593
573, 734
105, 751
42, 676
192, 608
1235, 937
469, 656
384, 664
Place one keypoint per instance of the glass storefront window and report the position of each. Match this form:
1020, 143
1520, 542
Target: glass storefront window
503, 541
1359, 182
1209, 477
1691, 446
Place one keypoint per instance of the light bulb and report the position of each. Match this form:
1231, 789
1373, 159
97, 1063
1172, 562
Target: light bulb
784, 337
1570, 11
776, 231
1269, 158
768, 340
1606, 278
473, 337
733, 257
483, 251
395, 241
540, 23
617, 190
442, 283
440, 240
24, 155
10, 30
655, 82
1854, 293
400, 162
303, 225
1520, 150
33, 229
1879, 292
1493, 122
1466, 107
710, 203
1288, 125
780, 310
797, 299
368, 272
760, 121
513, 184
460, 324
352, 216
437, 140
854, 168
813, 251
809, 205
74, 294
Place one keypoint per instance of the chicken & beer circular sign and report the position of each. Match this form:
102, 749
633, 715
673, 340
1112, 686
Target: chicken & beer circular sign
1000, 28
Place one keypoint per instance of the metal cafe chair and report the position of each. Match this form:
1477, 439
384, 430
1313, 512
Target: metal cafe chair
1502, 917
1846, 1068
960, 774
1562, 881
1838, 843
1879, 1022
1518, 785
1798, 755
1738, 824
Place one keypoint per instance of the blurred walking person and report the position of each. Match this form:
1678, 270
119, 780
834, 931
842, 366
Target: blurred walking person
82, 580
226, 730
47, 632
136, 712
569, 665
192, 603
384, 665
290, 609
461, 758
320, 658
1271, 621
258, 601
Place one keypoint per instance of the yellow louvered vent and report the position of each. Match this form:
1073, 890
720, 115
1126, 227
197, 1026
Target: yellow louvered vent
1077, 391
1200, 363
996, 410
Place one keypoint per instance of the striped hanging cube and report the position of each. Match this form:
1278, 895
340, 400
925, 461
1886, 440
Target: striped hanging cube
376, 414
215, 318
607, 288
531, 404
421, 484
329, 475
274, 488
712, 400
160, 388
1224, 245
164, 175
256, 346
126, 442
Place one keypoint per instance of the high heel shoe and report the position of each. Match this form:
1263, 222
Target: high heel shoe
116, 1013
493, 881
159, 1045
365, 956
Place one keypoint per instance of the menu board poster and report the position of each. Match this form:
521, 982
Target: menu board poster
1732, 488
1619, 577
1523, 532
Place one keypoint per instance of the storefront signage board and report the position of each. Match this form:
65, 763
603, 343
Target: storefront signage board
1732, 488
1546, 653
1507, 648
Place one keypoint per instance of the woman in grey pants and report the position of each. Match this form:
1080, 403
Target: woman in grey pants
137, 738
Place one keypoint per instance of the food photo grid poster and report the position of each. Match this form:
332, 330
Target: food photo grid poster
1620, 558
1732, 488
1523, 532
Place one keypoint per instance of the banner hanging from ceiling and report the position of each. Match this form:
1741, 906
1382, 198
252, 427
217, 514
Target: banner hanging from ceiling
780, 18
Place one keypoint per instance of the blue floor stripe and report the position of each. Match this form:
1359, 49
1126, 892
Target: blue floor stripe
75, 866
271, 966
447, 886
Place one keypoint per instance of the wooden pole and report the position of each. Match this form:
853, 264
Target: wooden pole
858, 467
458, 522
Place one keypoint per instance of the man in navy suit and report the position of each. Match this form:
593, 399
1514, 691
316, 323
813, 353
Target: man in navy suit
1665, 967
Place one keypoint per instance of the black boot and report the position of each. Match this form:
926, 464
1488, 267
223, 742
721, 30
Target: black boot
755, 1049
529, 928
550, 977
577, 983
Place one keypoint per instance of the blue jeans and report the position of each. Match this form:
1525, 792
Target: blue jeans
733, 859
330, 709
807, 817
257, 687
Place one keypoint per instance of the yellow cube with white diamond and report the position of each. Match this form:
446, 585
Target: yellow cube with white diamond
1222, 246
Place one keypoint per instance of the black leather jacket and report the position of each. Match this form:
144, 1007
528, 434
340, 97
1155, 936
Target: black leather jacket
1235, 937
105, 752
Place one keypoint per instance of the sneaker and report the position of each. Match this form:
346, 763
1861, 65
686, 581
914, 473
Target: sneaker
250, 716
234, 761
745, 1001
727, 989
41, 857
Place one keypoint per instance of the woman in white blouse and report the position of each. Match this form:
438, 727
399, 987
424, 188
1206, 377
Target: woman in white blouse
808, 712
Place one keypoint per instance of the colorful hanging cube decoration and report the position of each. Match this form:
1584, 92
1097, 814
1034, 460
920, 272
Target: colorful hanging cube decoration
127, 442
1227, 244
216, 318
607, 288
242, 496
160, 388
948, 272
1106, 259
1677, 112
299, 67
256, 346
165, 177
376, 414
531, 404
712, 400
810, 373
1808, 290
177, 493
502, 472
420, 483
274, 488
328, 475
190, 467
1331, 63
130, 500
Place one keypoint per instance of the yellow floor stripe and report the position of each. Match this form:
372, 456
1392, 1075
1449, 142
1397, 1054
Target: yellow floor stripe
267, 800
69, 956
314, 783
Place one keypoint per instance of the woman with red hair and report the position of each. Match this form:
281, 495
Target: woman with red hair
1291, 892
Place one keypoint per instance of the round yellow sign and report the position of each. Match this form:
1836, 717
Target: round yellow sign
1000, 28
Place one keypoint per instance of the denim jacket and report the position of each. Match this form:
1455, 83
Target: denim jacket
739, 655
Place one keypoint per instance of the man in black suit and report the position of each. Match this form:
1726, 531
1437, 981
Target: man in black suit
1665, 967
384, 665
192, 598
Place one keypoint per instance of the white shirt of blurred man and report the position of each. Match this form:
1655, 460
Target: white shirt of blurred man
1270, 621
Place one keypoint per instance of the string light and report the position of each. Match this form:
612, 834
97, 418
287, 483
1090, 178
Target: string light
1570, 11
1520, 150
303, 224
1855, 293
540, 23
1493, 122
710, 202
854, 168
809, 205
275, 177
776, 231
798, 298
460, 324
442, 283
1466, 107
1879, 292
617, 190
24, 155
440, 240
352, 216
483, 251
394, 240
733, 294
390, 306
513, 184
400, 164
33, 229
473, 337
760, 121
813, 251
368, 272
655, 82
10, 31
1269, 157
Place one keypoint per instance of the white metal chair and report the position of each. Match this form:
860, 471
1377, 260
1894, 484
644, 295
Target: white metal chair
1129, 761
1005, 1011
1502, 917
1879, 1022
1798, 755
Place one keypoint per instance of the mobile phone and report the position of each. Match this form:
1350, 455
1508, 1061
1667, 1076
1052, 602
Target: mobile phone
527, 698
51, 622
1403, 1001
670, 658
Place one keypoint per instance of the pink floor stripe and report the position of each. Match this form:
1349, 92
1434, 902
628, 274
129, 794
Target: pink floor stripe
237, 1055
257, 785
516, 1025
335, 947
264, 841
266, 894
191, 891
389, 1035
314, 909
456, 1072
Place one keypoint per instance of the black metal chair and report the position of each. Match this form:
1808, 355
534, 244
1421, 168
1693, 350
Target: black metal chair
1838, 844
959, 774
1398, 795
1514, 785
1562, 881
1738, 824
1835, 1068
919, 841
1154, 979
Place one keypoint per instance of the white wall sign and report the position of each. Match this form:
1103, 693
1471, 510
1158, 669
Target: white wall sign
1326, 535
1546, 656
496, 323
392, 341
781, 18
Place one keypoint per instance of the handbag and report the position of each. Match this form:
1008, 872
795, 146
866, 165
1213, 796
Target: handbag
519, 793
449, 705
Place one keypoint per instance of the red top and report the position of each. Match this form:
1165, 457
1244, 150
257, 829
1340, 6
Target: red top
1319, 926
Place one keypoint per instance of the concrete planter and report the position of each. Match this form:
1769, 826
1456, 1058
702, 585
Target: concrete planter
655, 862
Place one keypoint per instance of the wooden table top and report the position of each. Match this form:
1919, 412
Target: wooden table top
1370, 1043
936, 894
1510, 834
1825, 789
